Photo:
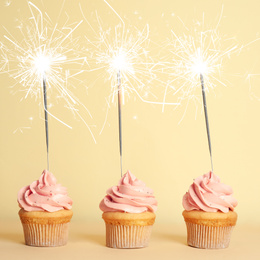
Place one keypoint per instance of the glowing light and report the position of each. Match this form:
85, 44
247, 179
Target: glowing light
119, 62
42, 64
198, 65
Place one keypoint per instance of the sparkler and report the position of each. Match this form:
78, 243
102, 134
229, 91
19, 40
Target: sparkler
39, 58
198, 57
122, 54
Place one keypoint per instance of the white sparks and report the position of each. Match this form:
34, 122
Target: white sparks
200, 51
8, 3
122, 50
21, 129
43, 50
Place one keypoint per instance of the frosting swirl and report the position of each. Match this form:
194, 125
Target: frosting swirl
44, 195
130, 195
208, 194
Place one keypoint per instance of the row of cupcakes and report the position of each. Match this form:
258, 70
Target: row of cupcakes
129, 212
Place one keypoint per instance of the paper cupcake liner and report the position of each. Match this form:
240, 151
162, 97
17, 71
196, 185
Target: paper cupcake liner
123, 236
208, 237
46, 235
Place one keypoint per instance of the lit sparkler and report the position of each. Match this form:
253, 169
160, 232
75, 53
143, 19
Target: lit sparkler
122, 59
197, 60
122, 53
36, 62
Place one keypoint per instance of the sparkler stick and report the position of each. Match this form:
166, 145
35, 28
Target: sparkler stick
122, 53
46, 118
206, 118
120, 118
198, 54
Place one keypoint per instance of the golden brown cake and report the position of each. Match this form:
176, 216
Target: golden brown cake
45, 228
129, 219
209, 229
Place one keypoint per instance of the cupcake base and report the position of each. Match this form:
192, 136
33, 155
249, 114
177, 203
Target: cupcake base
209, 230
122, 236
128, 230
45, 229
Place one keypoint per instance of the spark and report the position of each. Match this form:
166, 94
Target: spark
122, 54
125, 55
123, 48
8, 3
21, 129
201, 51
197, 59
254, 92
45, 50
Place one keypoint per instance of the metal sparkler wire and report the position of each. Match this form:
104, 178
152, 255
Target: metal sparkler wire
120, 118
206, 118
46, 119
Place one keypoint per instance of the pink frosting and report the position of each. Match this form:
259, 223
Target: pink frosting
208, 194
130, 195
44, 195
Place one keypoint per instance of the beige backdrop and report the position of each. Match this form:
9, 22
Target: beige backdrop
166, 155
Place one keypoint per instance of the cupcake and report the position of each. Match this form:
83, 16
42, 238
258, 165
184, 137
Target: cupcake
209, 212
128, 212
45, 212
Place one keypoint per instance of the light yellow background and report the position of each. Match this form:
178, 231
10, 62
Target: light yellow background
166, 155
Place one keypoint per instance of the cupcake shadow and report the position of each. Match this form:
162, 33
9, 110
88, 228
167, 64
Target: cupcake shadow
97, 239
180, 239
13, 237
92, 238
